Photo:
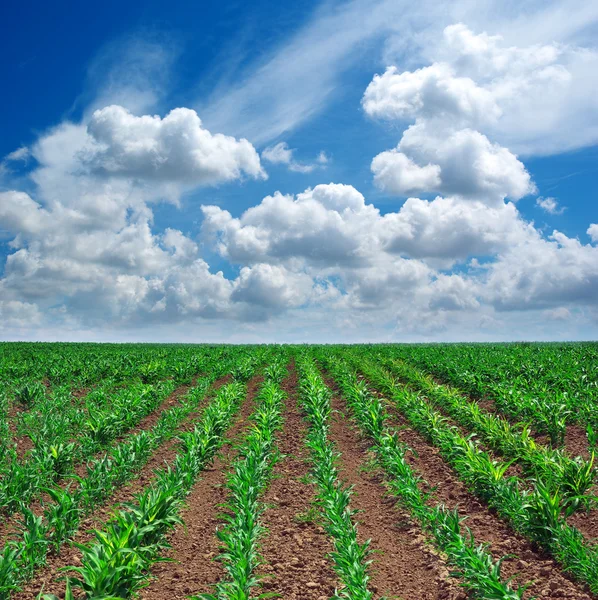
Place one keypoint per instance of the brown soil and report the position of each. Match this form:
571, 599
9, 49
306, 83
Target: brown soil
576, 443
10, 526
526, 565
194, 547
23, 443
587, 523
295, 547
49, 576
403, 563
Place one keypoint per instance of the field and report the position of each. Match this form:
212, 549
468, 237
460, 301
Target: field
301, 472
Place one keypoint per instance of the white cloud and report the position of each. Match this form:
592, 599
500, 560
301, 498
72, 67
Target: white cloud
550, 205
175, 148
278, 154
593, 232
396, 173
281, 154
544, 273
449, 230
536, 99
462, 162
20, 154
268, 288
434, 91
328, 225
14, 313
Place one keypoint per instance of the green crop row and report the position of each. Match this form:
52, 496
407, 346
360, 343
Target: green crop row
473, 563
539, 514
116, 565
573, 476
350, 558
21, 558
526, 381
248, 478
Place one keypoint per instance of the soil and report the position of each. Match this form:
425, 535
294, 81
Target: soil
576, 442
295, 548
194, 547
403, 564
525, 563
10, 526
49, 577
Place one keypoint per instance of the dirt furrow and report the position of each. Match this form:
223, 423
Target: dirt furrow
295, 547
403, 564
576, 443
194, 547
525, 563
10, 526
49, 576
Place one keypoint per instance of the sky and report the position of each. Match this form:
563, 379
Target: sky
320, 171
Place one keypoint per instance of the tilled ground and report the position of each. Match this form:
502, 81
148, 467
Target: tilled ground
403, 564
50, 577
524, 562
194, 547
10, 526
576, 444
295, 547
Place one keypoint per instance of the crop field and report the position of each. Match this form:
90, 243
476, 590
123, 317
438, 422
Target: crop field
414, 472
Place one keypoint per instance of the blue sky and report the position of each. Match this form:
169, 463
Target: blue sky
410, 173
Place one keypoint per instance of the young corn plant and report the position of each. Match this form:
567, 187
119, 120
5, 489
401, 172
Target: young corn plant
540, 516
350, 558
473, 564
247, 480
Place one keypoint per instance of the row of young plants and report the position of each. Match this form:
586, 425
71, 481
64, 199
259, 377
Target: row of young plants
65, 434
22, 481
350, 558
473, 563
540, 514
573, 476
247, 480
526, 381
117, 564
42, 535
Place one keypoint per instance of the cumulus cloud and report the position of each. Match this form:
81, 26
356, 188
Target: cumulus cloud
456, 103
544, 273
448, 230
550, 205
328, 224
270, 288
175, 148
535, 99
396, 173
462, 162
593, 232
